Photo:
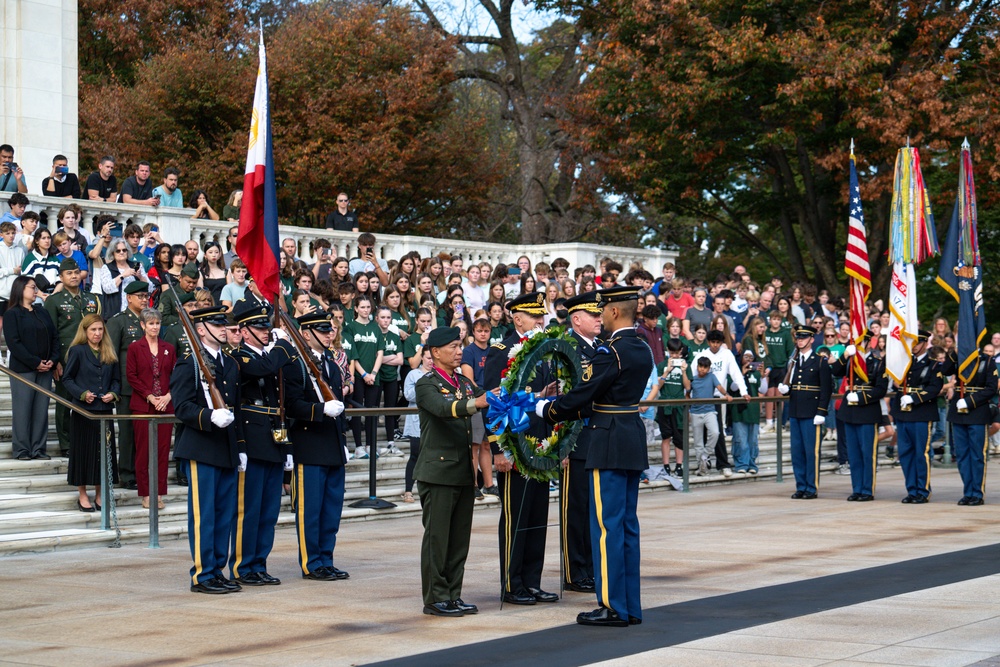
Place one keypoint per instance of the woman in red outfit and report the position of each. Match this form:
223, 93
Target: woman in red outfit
149, 363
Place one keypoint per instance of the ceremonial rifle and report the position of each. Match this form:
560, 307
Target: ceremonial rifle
218, 402
305, 352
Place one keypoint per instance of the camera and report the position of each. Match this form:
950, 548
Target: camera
12, 166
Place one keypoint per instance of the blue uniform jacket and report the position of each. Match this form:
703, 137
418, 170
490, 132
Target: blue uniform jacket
201, 440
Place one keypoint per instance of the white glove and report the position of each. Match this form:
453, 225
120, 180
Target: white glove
782, 388
850, 351
242, 467
905, 400
222, 417
852, 398
540, 408
289, 465
278, 334
819, 420
332, 408
962, 404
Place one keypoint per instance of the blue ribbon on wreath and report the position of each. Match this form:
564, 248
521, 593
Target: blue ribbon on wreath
509, 411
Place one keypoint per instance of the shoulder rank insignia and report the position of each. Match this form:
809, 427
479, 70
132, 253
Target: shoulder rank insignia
603, 349
500, 346
246, 360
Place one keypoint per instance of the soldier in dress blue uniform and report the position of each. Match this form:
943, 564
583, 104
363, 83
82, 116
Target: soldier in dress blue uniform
969, 415
808, 397
258, 488
913, 409
861, 412
584, 313
524, 503
609, 396
320, 451
212, 447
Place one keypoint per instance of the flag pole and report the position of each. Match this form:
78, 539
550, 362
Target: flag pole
850, 364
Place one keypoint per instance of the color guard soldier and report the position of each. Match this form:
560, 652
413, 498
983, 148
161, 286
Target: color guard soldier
524, 503
609, 396
446, 474
970, 416
320, 451
584, 314
212, 449
913, 408
861, 412
259, 486
809, 386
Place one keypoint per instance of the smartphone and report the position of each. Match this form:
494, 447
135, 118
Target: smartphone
324, 252
459, 308
62, 170
676, 363
755, 365
116, 230
514, 271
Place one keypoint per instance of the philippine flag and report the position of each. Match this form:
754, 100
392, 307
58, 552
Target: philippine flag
257, 240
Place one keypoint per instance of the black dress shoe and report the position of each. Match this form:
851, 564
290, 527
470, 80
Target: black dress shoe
268, 580
853, 497
798, 495
964, 500
97, 505
42, 457
865, 498
908, 500
182, 481
82, 508
212, 586
231, 586
131, 485
602, 616
543, 596
632, 620
339, 574
465, 607
252, 579
519, 597
24, 457
920, 500
443, 609
320, 574
809, 496
582, 586
975, 502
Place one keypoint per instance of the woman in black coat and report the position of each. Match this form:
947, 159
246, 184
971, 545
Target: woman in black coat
34, 355
92, 377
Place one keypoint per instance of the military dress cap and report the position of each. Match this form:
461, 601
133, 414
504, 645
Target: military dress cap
210, 315
182, 296
804, 331
137, 287
190, 270
252, 313
922, 335
532, 303
588, 302
619, 293
317, 321
68, 265
443, 336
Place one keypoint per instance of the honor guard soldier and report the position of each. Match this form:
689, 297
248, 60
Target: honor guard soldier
211, 446
174, 334
320, 449
524, 503
808, 385
124, 329
861, 412
446, 473
584, 312
268, 450
970, 416
913, 408
609, 396
67, 308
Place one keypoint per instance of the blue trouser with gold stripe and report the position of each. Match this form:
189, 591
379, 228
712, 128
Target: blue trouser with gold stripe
614, 537
861, 440
211, 506
805, 453
319, 502
971, 441
258, 501
913, 442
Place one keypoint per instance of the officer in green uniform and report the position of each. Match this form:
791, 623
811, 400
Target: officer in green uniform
66, 308
446, 401
188, 282
124, 329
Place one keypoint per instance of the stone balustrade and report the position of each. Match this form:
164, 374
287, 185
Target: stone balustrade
177, 226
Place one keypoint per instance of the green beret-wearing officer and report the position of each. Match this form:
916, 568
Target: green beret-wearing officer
66, 308
124, 329
187, 282
446, 401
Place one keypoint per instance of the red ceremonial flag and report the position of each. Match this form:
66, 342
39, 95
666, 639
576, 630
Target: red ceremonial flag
257, 239
858, 271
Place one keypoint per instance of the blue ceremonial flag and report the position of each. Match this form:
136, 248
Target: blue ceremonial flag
961, 273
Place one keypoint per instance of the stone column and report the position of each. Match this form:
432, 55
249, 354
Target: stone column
38, 85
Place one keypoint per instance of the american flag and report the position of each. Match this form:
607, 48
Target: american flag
858, 271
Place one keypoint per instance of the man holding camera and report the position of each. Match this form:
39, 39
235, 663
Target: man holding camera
367, 261
11, 175
59, 182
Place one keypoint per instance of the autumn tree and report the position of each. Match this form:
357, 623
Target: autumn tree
740, 113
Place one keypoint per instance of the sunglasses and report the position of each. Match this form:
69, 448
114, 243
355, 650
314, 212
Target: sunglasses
120, 250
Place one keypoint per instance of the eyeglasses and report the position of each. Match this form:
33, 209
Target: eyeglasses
829, 335
120, 250
343, 200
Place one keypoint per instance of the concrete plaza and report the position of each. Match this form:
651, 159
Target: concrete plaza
732, 575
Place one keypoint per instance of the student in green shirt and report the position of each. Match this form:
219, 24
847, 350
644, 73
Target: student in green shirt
499, 326
347, 293
413, 347
673, 331
746, 418
400, 318
388, 375
674, 379
779, 347
697, 343
367, 347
